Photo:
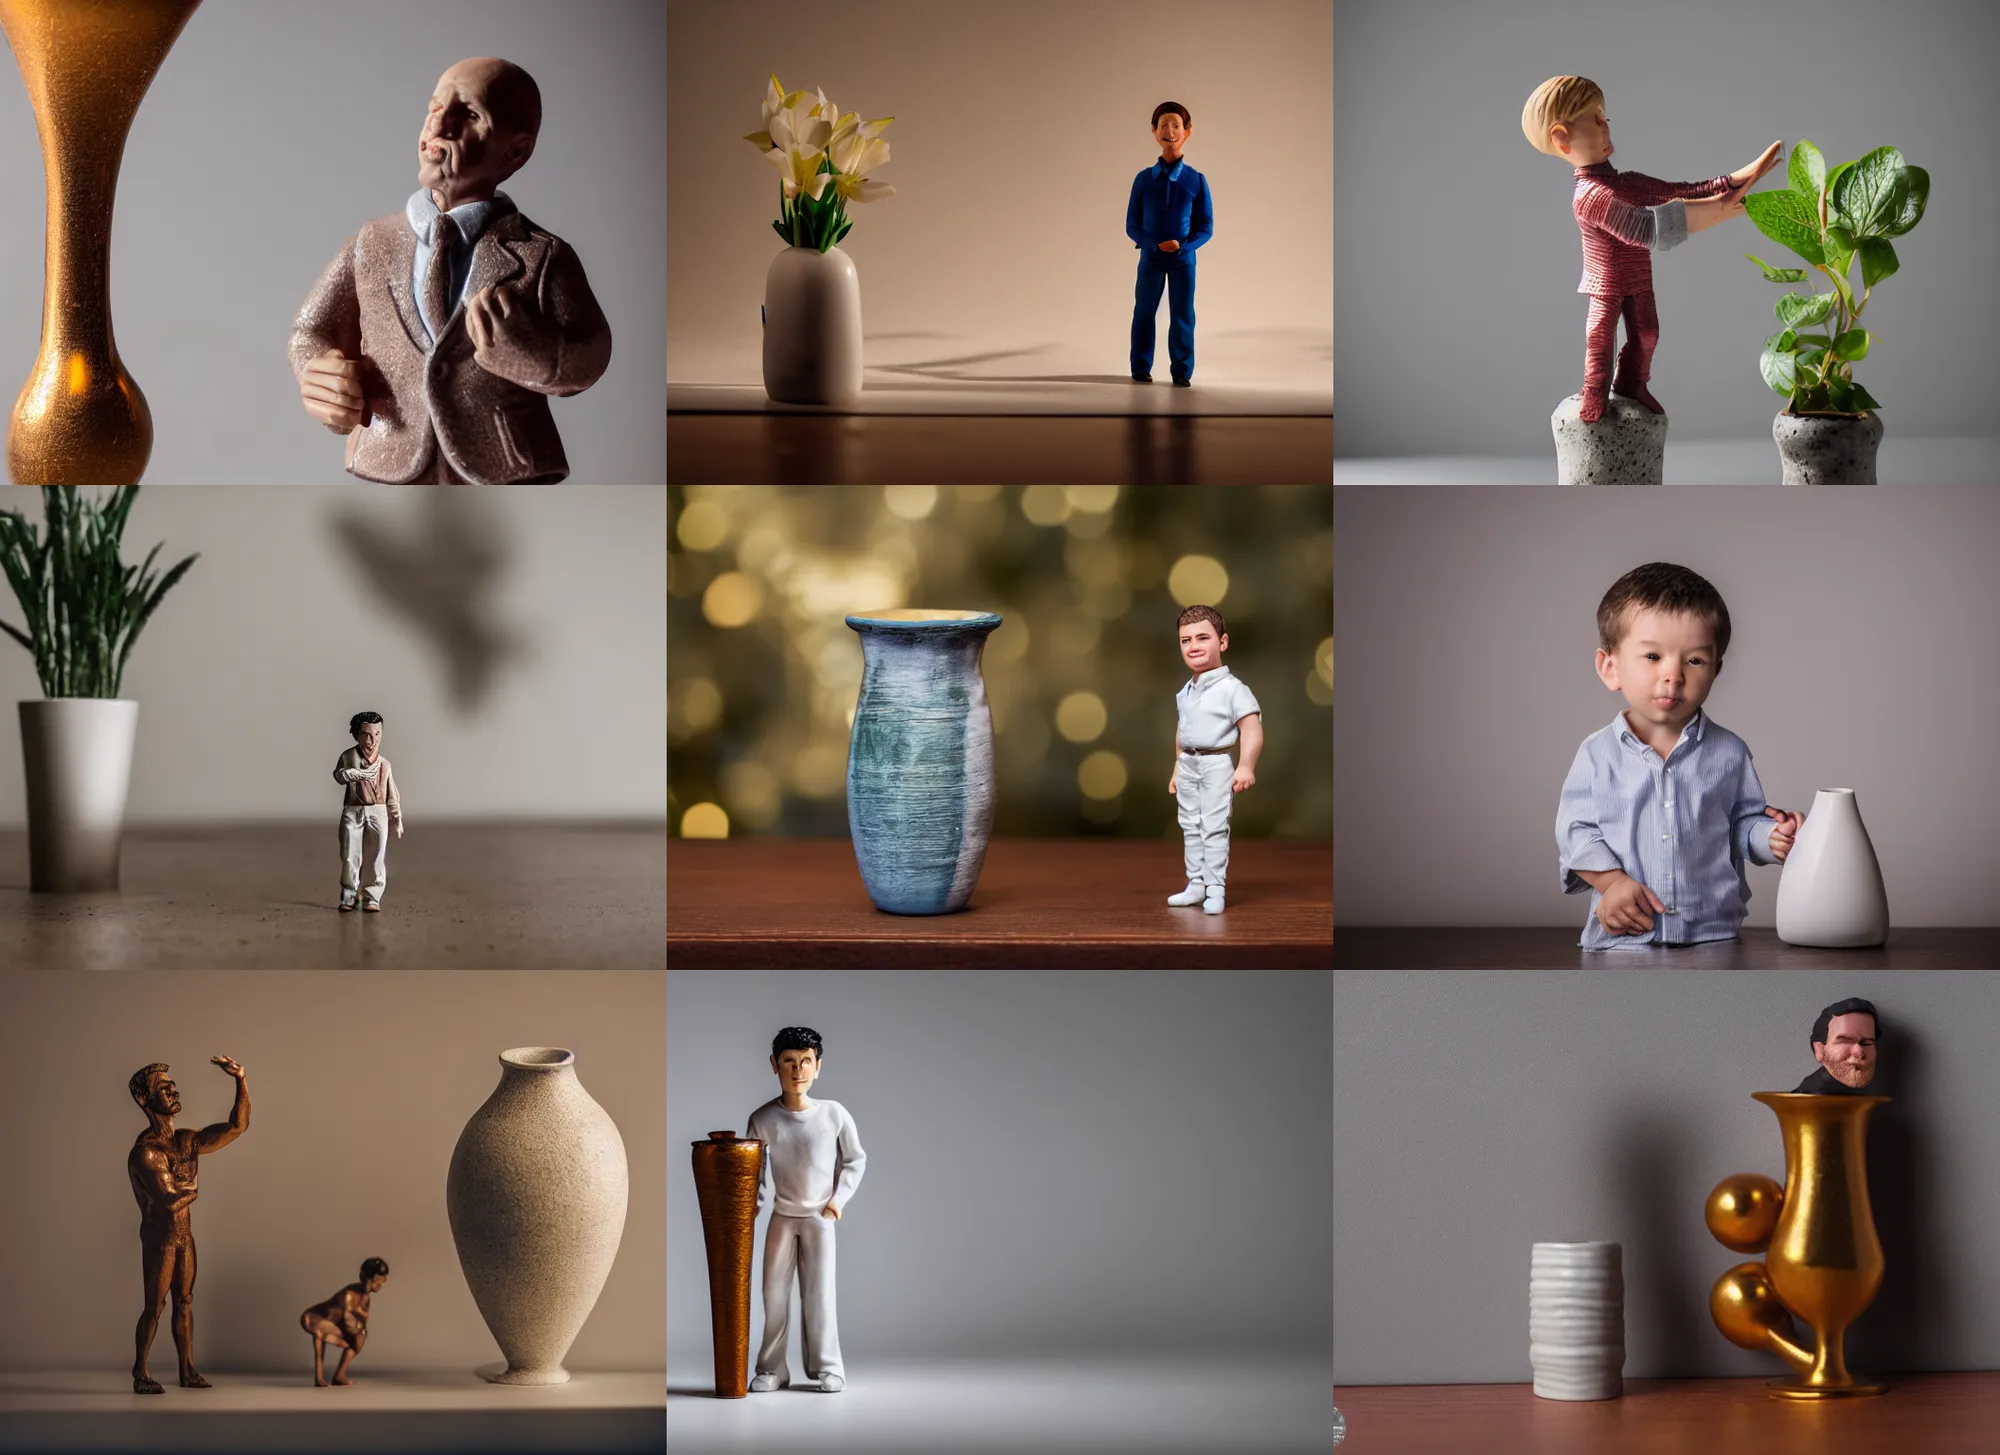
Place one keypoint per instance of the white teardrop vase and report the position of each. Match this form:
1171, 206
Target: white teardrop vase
1830, 893
812, 328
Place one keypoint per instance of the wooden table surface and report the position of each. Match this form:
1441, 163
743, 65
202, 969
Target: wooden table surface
1555, 948
1921, 1414
1079, 904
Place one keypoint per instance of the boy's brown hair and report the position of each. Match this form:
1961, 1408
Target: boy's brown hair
1164, 107
1558, 101
1203, 613
1665, 587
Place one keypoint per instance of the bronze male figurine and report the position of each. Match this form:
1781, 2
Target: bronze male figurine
163, 1166
342, 1321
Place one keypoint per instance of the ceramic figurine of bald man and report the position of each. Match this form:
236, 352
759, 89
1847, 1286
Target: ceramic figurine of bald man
1625, 218
435, 338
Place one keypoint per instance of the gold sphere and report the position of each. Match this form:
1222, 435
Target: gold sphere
1743, 1211
1746, 1308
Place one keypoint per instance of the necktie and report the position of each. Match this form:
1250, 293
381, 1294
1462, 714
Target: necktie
437, 279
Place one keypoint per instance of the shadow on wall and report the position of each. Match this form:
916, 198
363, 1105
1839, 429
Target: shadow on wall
439, 569
1909, 1325
1661, 1292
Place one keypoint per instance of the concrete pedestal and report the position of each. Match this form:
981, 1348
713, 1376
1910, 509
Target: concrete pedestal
1628, 446
1828, 449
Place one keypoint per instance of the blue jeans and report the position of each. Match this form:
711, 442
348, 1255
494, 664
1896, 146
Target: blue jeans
1175, 273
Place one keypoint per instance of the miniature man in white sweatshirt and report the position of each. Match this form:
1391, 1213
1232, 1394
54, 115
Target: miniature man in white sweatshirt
813, 1162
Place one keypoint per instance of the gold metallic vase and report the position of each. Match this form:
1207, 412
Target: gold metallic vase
726, 1169
1824, 1261
80, 419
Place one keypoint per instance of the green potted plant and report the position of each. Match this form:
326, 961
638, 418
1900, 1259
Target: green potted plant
1828, 431
84, 608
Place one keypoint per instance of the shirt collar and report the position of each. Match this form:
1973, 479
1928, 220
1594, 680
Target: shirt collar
1206, 680
1633, 743
1597, 169
1172, 174
473, 218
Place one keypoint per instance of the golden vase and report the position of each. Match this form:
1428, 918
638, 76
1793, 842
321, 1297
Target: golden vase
80, 419
1822, 1258
726, 1169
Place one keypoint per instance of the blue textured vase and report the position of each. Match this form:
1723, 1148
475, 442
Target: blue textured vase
920, 759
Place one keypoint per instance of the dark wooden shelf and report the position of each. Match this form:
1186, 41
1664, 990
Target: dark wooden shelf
1555, 948
1041, 903
1920, 1414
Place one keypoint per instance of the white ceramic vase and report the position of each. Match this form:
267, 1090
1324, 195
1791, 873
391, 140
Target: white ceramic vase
1576, 1320
1830, 892
536, 1196
78, 755
812, 328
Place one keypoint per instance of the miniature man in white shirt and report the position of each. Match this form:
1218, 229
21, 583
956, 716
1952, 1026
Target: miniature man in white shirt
812, 1164
369, 810
1216, 712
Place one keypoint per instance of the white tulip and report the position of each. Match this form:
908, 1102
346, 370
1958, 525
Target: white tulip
799, 167
860, 189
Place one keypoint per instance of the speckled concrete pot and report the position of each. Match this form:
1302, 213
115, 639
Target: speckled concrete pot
1827, 449
1626, 447
920, 760
536, 1197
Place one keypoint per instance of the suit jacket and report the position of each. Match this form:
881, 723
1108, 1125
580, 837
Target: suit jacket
491, 418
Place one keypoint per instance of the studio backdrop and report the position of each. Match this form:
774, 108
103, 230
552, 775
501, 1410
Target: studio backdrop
1470, 622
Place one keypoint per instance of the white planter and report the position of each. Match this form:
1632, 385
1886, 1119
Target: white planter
536, 1196
78, 756
1830, 892
812, 328
1576, 1320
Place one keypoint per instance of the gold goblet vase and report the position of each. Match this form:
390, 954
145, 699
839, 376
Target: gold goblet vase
80, 419
1822, 1259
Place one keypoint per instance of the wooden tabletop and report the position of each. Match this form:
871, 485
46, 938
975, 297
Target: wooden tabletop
1555, 948
755, 903
1921, 1414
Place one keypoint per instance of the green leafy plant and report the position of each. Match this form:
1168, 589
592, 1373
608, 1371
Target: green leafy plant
84, 606
1832, 219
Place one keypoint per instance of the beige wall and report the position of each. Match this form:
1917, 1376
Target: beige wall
359, 1087
311, 604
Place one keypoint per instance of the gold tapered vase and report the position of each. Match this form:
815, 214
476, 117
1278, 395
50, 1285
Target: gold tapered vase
1822, 1258
726, 1168
80, 418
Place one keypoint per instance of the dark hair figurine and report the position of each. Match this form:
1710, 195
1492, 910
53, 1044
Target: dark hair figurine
370, 810
1169, 215
1843, 1042
797, 1038
342, 1321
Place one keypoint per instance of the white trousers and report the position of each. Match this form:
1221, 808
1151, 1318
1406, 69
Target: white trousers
364, 826
1202, 786
803, 1246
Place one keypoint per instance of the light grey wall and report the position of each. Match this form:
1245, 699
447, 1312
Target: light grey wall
1457, 256
274, 130
359, 1087
1467, 624
1477, 1113
513, 639
1117, 1164
1018, 131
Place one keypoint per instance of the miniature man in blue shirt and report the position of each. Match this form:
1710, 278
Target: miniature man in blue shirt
1168, 217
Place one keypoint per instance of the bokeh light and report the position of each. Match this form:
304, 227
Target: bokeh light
1045, 504
1198, 581
694, 707
1080, 717
1101, 775
733, 599
704, 525
705, 821
910, 502
820, 771
1091, 499
1323, 661
753, 793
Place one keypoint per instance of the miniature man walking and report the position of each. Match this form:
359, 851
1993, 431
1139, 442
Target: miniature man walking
1216, 713
342, 1321
812, 1164
163, 1166
1625, 217
1170, 214
369, 810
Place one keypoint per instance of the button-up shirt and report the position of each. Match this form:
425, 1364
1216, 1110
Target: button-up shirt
472, 218
1169, 202
1682, 826
1210, 706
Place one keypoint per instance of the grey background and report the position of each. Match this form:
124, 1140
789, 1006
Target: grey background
1457, 256
514, 641
1477, 1113
1091, 1164
274, 130
1467, 621
359, 1087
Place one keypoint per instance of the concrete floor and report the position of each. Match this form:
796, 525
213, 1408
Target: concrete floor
510, 897
1174, 1405
1961, 461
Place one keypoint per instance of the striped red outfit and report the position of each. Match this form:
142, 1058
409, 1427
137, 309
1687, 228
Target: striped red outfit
1618, 236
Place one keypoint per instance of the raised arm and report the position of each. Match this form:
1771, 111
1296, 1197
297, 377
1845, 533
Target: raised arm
221, 1134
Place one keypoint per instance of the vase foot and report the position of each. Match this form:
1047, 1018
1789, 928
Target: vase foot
501, 1374
1793, 1389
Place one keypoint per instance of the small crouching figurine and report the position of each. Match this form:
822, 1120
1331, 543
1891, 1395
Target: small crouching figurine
1625, 217
1216, 713
370, 809
342, 1321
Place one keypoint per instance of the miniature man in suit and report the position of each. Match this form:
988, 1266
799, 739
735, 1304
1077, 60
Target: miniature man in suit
1168, 216
1843, 1042
435, 336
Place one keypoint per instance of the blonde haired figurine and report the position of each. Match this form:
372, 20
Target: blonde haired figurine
1625, 217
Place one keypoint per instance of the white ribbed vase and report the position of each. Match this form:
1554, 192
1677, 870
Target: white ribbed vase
1830, 892
1576, 1320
